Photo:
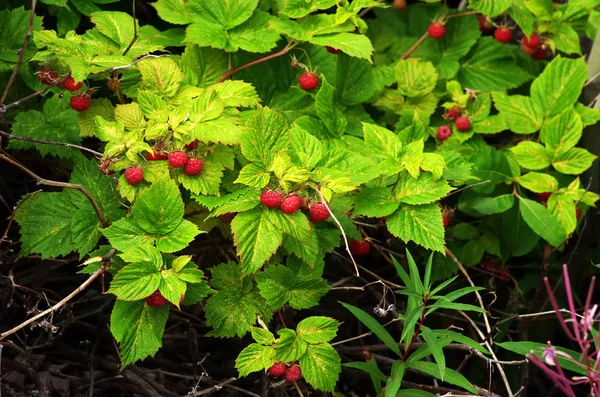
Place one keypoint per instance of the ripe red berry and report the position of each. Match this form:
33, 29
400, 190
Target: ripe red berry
444, 132
271, 198
277, 369
80, 103
453, 113
47, 76
463, 123
436, 30
539, 54
529, 50
399, 5
193, 145
503, 35
532, 41
177, 159
484, 24
445, 221
318, 212
332, 50
544, 196
290, 204
360, 248
308, 81
134, 175
71, 85
155, 156
193, 167
293, 374
156, 299
578, 212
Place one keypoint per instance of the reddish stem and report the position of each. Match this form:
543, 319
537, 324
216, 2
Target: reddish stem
281, 318
414, 337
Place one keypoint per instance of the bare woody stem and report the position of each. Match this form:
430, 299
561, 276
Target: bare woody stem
135, 33
22, 53
47, 182
24, 138
261, 60
54, 308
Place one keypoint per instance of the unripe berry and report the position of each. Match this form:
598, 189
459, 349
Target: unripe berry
445, 221
399, 5
271, 198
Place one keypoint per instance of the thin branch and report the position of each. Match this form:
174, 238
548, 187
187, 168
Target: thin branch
4, 108
135, 34
414, 47
47, 182
105, 259
212, 388
591, 79
24, 138
22, 53
261, 60
12, 216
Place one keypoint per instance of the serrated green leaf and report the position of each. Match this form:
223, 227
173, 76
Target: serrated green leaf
542, 221
415, 78
317, 329
531, 155
355, 45
301, 8
171, 287
519, 112
419, 223
161, 76
178, 238
562, 132
490, 8
159, 210
573, 161
143, 254
253, 358
375, 202
289, 346
538, 183
321, 366
135, 281
421, 190
328, 112
262, 336
564, 209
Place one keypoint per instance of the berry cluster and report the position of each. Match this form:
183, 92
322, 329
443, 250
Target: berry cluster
292, 374
463, 124
291, 204
80, 102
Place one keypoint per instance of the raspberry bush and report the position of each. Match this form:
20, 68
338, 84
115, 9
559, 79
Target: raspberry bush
300, 135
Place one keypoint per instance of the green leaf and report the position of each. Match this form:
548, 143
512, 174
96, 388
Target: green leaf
264, 137
289, 346
328, 112
236, 93
562, 132
574, 161
159, 210
171, 287
135, 281
517, 234
262, 336
138, 328
382, 142
542, 221
559, 85
564, 209
125, 234
531, 155
146, 254
464, 231
460, 338
317, 329
415, 78
374, 326
301, 8
451, 376
436, 350
321, 366
478, 205
419, 223
227, 14
254, 358
354, 82
395, 380
161, 76
375, 202
203, 66
355, 45
490, 8
537, 182
519, 112
179, 238
421, 190
565, 38
180, 262
255, 237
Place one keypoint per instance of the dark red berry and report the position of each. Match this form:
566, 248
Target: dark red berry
114, 85
532, 41
360, 248
399, 5
155, 156
290, 204
193, 167
271, 198
47, 76
436, 30
277, 369
80, 103
463, 123
445, 221
177, 159
318, 212
293, 374
578, 212
544, 196
193, 145
308, 81
484, 24
71, 85
453, 113
529, 50
332, 50
156, 299
134, 175
539, 54
444, 132
503, 35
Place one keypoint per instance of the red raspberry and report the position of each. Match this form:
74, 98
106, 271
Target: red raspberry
277, 369
177, 159
193, 167
463, 123
80, 103
193, 145
529, 50
47, 76
308, 81
293, 374
360, 248
271, 198
578, 212
436, 30
134, 175
332, 50
503, 35
155, 156
453, 113
544, 196
399, 5
445, 221
156, 299
444, 132
539, 54
533, 41
484, 24
318, 212
290, 204
71, 85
